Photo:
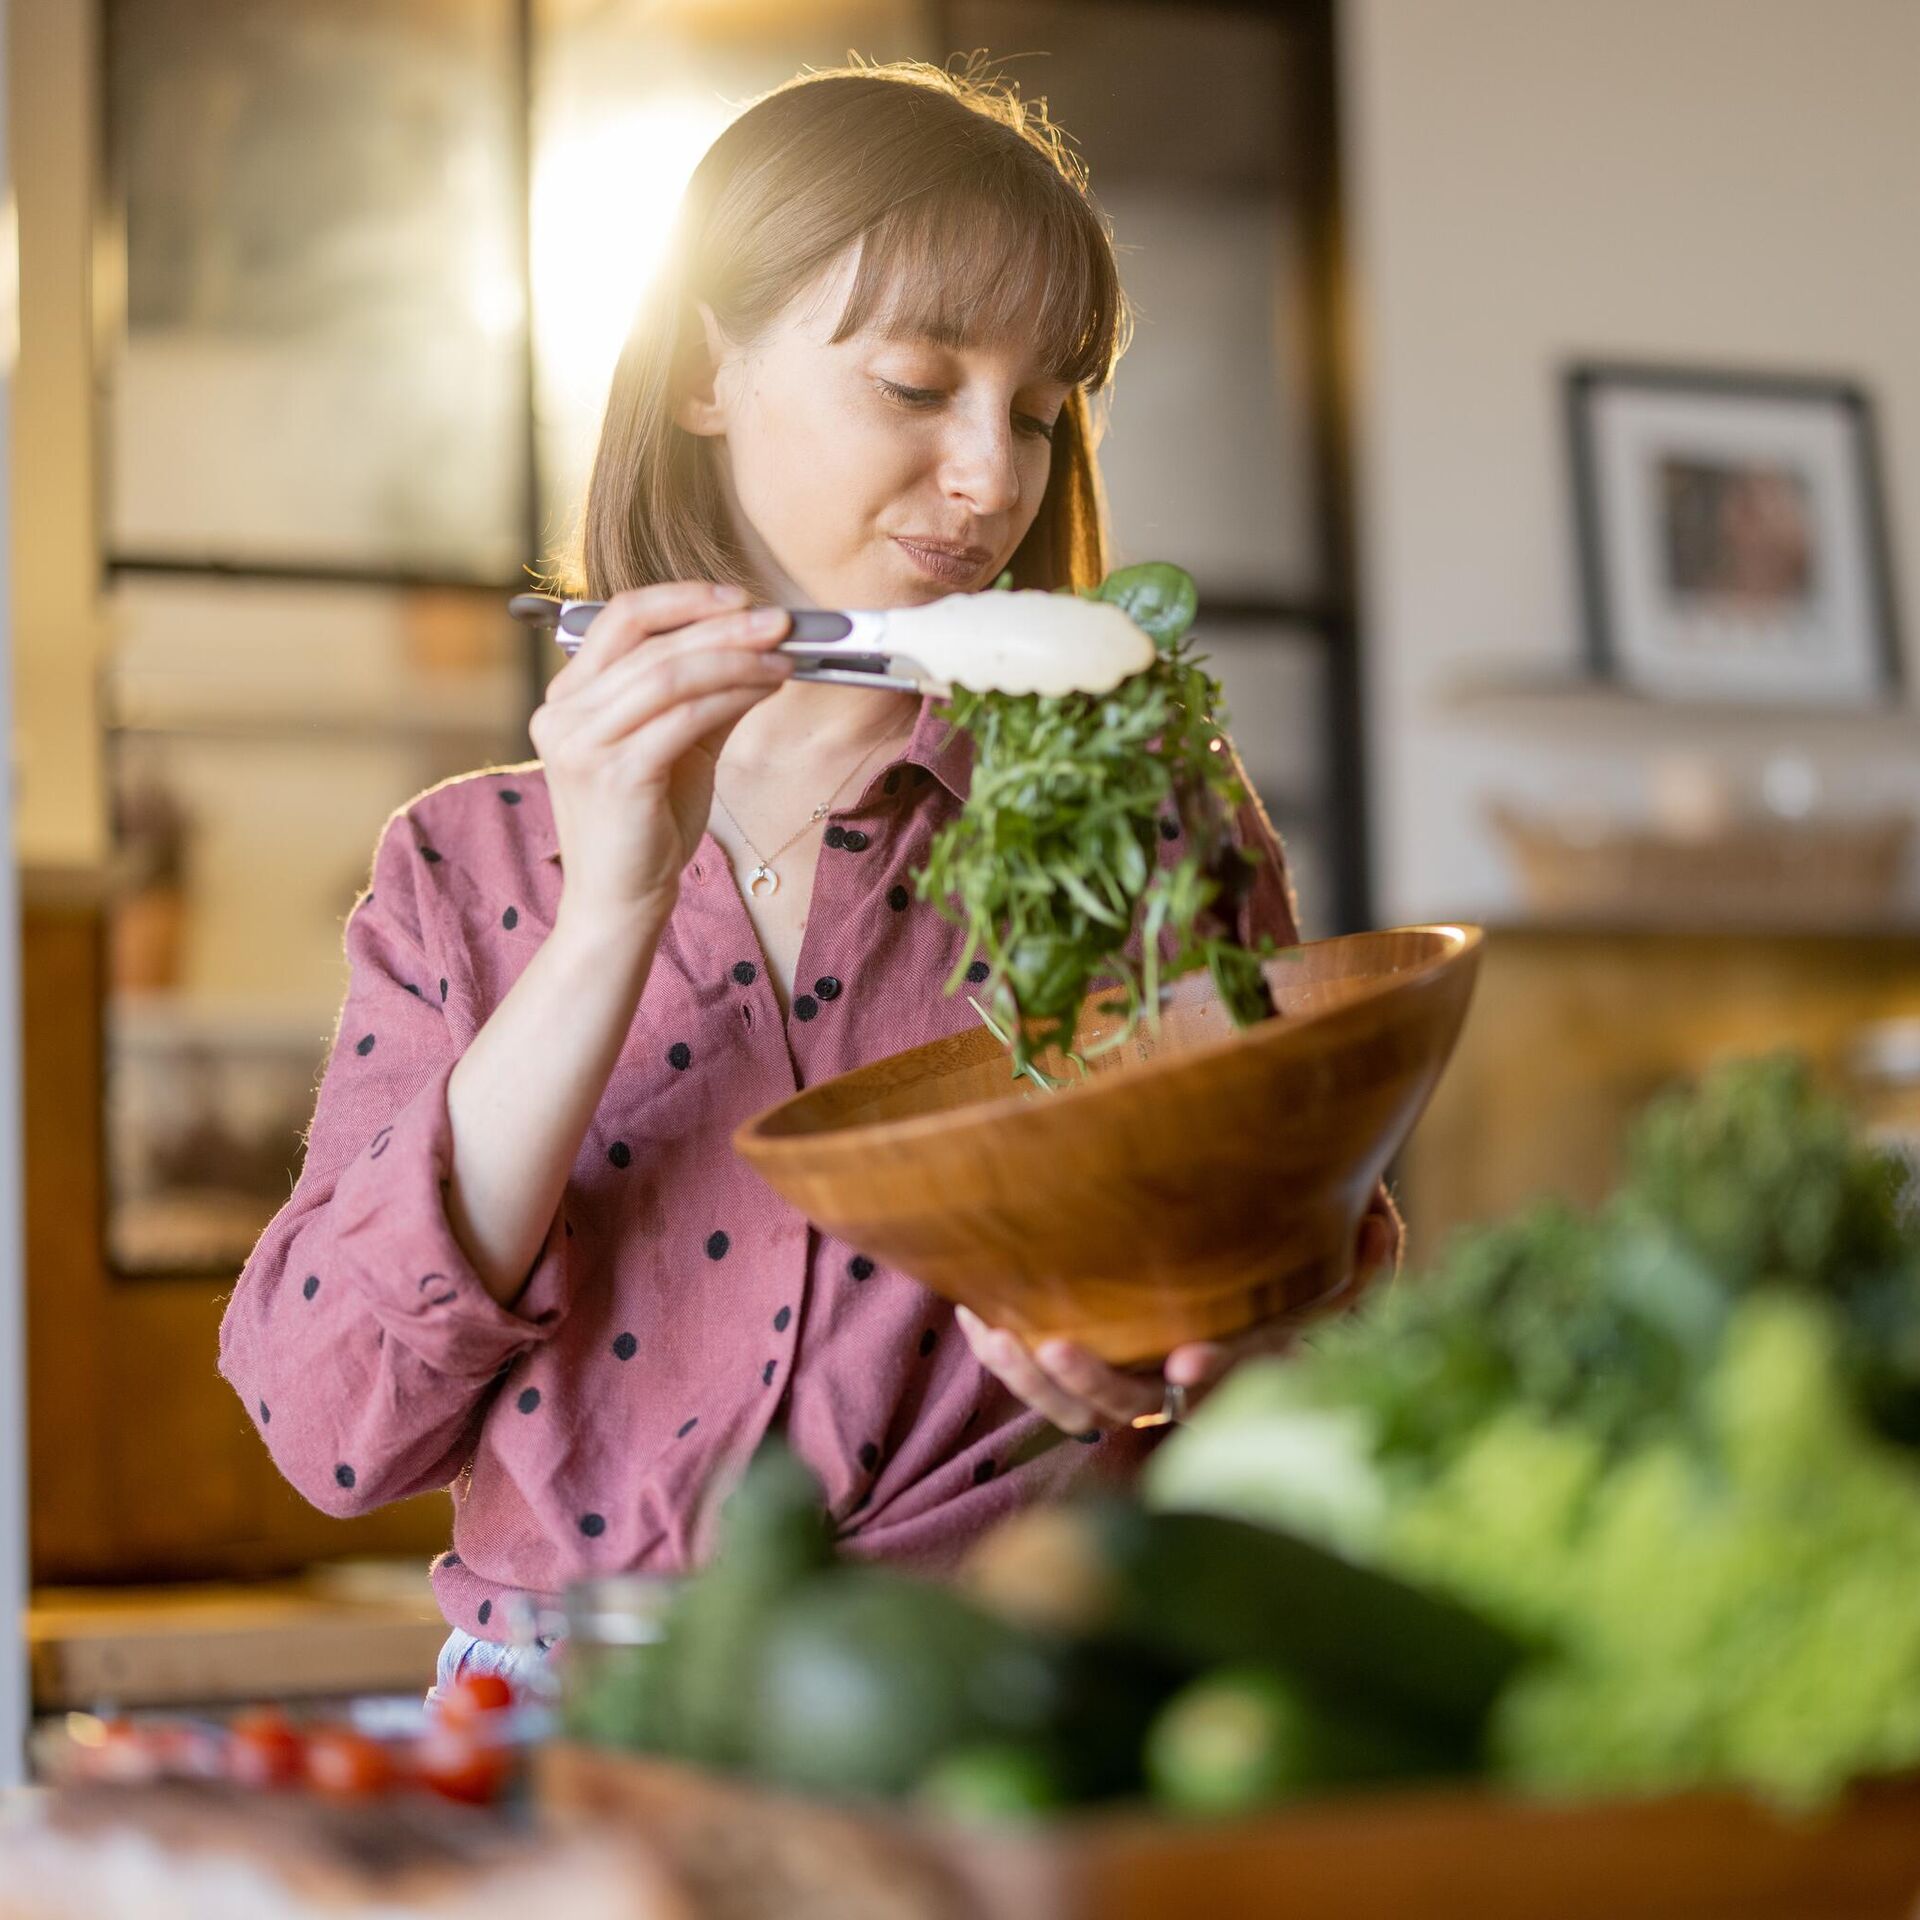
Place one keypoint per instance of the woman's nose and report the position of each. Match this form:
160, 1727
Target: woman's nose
982, 470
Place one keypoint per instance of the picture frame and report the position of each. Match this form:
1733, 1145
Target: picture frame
1732, 537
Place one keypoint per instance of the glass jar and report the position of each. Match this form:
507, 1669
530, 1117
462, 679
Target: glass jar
612, 1656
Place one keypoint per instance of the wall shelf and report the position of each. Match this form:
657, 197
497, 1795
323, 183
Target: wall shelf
1519, 693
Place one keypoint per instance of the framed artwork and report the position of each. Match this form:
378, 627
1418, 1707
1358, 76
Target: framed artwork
1732, 535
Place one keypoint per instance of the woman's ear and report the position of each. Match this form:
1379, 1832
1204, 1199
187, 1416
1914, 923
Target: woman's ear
703, 353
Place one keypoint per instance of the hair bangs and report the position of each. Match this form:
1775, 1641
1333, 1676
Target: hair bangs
1018, 258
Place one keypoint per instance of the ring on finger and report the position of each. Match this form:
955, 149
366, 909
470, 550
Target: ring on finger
1173, 1408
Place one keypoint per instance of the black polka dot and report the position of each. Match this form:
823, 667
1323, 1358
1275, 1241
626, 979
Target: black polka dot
625, 1346
892, 782
766, 1373
717, 1245
620, 1154
686, 1427
927, 1342
343, 1474
1089, 1438
450, 1560
745, 972
827, 987
680, 1055
983, 1473
897, 898
510, 919
364, 1045
978, 971
265, 1416
415, 991
835, 836
310, 1286
1169, 829
860, 1267
379, 1143
427, 854
856, 841
593, 1525
486, 1612
528, 1400
782, 1319
443, 991
510, 795
869, 1456
805, 1007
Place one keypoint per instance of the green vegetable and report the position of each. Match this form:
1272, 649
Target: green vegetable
1740, 1610
1205, 1591
868, 1677
991, 1783
1052, 866
773, 1538
1242, 1738
1668, 1440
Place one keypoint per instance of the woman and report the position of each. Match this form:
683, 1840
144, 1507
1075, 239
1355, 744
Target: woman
521, 1257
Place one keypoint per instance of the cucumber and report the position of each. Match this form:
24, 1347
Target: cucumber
1208, 1591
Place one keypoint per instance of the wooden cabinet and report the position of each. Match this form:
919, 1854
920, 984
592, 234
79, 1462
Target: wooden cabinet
142, 1464
1572, 1029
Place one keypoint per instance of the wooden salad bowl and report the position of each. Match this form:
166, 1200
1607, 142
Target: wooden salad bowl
1188, 1185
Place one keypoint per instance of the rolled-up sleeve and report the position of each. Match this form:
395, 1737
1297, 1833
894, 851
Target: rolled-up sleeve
359, 1336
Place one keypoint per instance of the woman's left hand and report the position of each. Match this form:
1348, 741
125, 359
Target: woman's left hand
1080, 1393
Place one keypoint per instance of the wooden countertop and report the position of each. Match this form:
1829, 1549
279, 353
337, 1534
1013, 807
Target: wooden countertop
171, 1646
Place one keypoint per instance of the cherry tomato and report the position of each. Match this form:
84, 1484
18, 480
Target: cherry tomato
475, 1695
264, 1748
458, 1764
347, 1764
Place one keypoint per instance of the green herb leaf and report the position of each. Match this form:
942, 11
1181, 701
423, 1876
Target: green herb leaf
1052, 867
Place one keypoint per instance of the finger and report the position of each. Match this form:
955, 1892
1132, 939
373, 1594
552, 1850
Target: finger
671, 683
1121, 1397
1198, 1364
637, 615
1008, 1360
615, 703
692, 722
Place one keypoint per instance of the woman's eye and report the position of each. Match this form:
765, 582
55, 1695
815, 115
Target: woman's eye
909, 396
932, 396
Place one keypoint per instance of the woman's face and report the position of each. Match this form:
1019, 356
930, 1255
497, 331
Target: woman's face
836, 458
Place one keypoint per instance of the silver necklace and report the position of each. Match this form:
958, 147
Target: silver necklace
763, 882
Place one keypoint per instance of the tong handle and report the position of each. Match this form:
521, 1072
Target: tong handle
568, 621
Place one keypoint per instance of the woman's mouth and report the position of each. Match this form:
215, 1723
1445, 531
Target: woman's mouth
951, 569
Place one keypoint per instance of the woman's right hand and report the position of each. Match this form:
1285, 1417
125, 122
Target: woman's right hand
631, 727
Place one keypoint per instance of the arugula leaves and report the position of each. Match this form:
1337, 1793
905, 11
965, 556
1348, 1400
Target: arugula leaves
1052, 864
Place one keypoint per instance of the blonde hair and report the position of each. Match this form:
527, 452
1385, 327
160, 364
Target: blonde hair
976, 224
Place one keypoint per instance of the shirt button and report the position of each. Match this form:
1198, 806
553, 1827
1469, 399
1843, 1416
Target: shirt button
826, 987
835, 836
854, 840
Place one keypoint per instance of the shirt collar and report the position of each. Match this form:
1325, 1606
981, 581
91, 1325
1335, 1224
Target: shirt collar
944, 750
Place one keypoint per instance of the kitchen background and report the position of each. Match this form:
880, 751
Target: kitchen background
317, 304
